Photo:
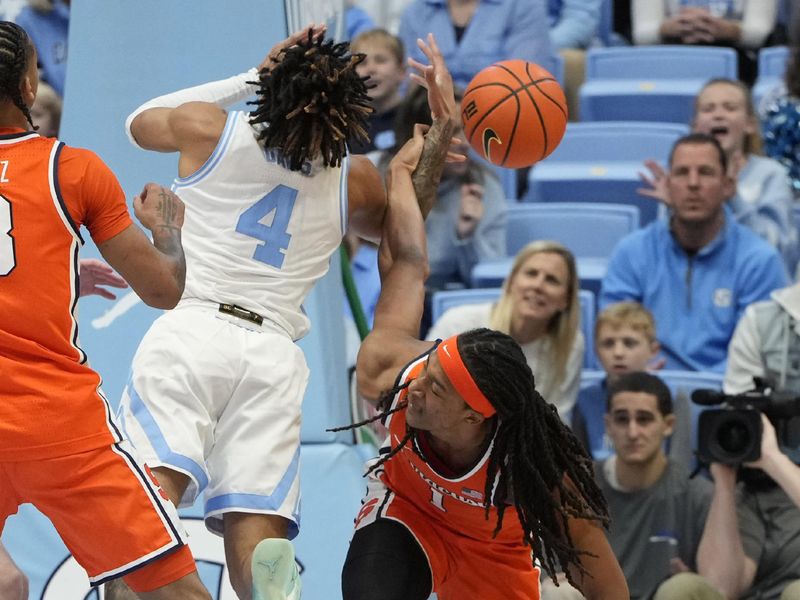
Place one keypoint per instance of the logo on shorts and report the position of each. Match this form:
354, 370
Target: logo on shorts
489, 136
723, 297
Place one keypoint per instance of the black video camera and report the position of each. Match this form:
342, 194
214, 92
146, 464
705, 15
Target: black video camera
732, 433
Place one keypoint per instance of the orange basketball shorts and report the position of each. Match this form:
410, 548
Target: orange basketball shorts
108, 509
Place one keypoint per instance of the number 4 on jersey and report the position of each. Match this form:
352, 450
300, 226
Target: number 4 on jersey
279, 201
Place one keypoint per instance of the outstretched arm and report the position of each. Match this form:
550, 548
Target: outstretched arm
437, 80
366, 196
403, 265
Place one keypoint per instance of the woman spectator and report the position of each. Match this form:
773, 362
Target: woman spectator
539, 308
763, 199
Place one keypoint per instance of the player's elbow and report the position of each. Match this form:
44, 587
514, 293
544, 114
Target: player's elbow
166, 292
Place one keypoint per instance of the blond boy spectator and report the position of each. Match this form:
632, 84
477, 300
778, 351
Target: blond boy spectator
624, 341
385, 66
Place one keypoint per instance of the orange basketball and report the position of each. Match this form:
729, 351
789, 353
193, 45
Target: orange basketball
514, 113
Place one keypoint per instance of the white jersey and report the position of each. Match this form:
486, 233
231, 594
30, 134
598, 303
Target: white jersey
257, 234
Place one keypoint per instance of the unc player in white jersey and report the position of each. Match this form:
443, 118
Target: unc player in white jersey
217, 383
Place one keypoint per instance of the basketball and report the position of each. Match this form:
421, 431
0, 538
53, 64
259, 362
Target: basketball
514, 113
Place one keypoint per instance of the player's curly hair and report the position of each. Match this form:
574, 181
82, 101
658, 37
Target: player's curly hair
16, 49
534, 454
313, 102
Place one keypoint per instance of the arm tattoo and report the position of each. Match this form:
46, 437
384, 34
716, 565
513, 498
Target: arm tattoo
428, 173
167, 210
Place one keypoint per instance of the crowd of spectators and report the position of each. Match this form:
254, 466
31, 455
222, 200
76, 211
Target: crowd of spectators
705, 288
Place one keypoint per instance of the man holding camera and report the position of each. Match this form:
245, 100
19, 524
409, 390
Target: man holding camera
753, 547
754, 551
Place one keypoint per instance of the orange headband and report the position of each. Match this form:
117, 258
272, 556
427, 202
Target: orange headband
456, 371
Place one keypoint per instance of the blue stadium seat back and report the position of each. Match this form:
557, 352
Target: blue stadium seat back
687, 382
590, 377
587, 229
588, 303
772, 61
652, 83
647, 63
601, 162
605, 142
771, 67
667, 100
561, 188
444, 300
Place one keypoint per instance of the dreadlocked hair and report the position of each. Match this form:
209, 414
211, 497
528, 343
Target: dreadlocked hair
534, 454
16, 50
312, 102
384, 407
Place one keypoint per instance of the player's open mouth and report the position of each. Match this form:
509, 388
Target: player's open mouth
719, 130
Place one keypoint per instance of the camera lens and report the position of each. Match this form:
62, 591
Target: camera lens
733, 436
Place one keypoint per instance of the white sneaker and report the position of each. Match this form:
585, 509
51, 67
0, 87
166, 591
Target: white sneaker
275, 574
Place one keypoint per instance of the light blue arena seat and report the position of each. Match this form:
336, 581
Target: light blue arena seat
332, 488
652, 83
444, 300
601, 162
771, 68
588, 229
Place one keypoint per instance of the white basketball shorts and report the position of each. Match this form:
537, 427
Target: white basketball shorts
218, 398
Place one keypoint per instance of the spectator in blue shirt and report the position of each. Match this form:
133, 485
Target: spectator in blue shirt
573, 27
697, 271
473, 34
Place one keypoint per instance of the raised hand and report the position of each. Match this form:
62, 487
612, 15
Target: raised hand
94, 274
436, 78
274, 55
657, 183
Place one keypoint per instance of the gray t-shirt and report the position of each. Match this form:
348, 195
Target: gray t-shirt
769, 523
650, 526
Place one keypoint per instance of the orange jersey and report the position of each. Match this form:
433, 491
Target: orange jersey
50, 404
447, 517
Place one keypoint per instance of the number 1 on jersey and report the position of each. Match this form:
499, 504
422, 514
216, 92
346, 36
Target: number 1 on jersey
7, 259
280, 202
